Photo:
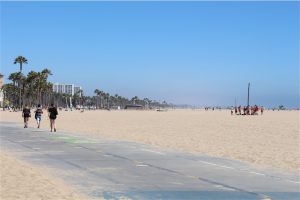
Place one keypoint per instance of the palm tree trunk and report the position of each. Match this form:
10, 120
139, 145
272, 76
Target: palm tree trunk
20, 95
101, 102
40, 97
20, 89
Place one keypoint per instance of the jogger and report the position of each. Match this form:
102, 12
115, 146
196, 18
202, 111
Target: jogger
52, 113
26, 114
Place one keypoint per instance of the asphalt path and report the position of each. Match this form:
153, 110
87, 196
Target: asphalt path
111, 169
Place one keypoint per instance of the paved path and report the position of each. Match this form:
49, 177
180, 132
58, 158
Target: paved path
115, 170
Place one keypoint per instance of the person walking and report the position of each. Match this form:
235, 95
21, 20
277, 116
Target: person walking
52, 114
26, 114
38, 115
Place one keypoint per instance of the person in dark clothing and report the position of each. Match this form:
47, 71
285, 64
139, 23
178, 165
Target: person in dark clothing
52, 114
38, 115
26, 114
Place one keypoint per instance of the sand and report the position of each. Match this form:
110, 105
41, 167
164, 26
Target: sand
19, 180
272, 139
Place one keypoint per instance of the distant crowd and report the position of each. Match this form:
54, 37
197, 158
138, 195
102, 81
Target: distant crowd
248, 110
241, 110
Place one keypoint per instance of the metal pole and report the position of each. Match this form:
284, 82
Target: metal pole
248, 95
235, 102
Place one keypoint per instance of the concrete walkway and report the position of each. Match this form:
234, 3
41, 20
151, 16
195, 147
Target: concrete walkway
127, 170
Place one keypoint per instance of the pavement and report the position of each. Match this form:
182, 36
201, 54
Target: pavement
99, 167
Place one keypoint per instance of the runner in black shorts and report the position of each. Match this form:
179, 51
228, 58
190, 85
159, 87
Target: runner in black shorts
52, 113
26, 114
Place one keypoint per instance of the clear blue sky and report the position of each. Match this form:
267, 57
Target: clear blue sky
197, 53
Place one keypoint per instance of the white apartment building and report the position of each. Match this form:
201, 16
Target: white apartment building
66, 88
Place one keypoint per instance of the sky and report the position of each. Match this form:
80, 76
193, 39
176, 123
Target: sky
196, 53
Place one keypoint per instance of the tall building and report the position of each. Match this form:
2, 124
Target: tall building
66, 88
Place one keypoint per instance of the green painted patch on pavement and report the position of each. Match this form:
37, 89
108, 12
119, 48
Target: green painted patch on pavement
73, 139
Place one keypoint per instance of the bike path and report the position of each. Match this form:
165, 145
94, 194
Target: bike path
127, 170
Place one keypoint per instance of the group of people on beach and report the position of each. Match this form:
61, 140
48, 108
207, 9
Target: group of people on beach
52, 114
247, 110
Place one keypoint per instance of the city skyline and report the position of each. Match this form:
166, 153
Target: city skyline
195, 53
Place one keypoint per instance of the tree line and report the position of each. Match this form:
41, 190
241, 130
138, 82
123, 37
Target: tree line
30, 89
34, 88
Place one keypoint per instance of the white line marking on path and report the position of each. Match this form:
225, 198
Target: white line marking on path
224, 188
266, 198
257, 173
297, 182
142, 165
251, 172
223, 166
148, 150
176, 183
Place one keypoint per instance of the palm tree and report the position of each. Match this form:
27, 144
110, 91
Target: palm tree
107, 97
20, 60
15, 77
81, 98
77, 97
48, 93
146, 103
97, 92
37, 88
34, 87
42, 82
32, 77
100, 94
135, 99
45, 73
10, 91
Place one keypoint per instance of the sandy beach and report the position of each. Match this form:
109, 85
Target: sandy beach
20, 180
126, 60
272, 139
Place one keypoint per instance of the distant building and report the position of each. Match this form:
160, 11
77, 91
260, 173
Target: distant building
66, 88
1, 91
78, 89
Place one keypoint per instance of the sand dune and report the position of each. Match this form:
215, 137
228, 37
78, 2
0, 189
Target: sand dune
272, 139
